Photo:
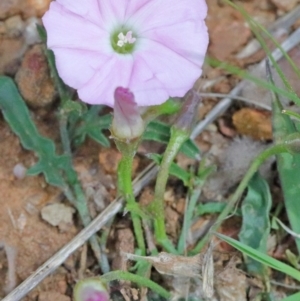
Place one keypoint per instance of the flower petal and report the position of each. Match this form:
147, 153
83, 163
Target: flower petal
66, 29
145, 86
77, 67
171, 41
175, 73
157, 13
88, 9
189, 39
133, 6
127, 123
90, 289
114, 73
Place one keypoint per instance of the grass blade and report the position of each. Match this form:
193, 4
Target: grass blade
288, 165
261, 257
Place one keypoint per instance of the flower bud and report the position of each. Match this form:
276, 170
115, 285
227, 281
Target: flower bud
127, 123
90, 289
188, 114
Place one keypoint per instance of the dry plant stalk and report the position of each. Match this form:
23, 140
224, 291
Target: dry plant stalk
198, 266
208, 272
174, 265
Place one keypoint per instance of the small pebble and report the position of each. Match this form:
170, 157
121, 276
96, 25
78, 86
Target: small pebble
33, 79
19, 171
285, 5
58, 215
31, 34
14, 26
21, 221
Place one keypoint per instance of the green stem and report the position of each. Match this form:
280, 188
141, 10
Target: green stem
273, 150
102, 242
61, 87
126, 189
156, 208
188, 217
83, 211
64, 135
79, 201
77, 196
142, 281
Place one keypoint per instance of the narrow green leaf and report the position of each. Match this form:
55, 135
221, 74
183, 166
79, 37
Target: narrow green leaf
195, 188
256, 30
175, 170
288, 165
99, 137
260, 31
160, 132
42, 32
89, 124
291, 114
292, 259
246, 75
256, 225
157, 131
210, 208
294, 297
167, 108
261, 257
190, 149
17, 116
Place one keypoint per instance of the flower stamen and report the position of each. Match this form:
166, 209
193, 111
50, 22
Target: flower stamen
127, 39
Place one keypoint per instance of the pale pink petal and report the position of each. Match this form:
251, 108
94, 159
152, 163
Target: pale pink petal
77, 67
145, 86
88, 9
132, 6
171, 41
114, 73
157, 13
151, 97
121, 10
175, 73
127, 123
90, 289
66, 29
189, 39
112, 12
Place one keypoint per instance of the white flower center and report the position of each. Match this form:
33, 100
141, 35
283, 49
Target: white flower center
125, 39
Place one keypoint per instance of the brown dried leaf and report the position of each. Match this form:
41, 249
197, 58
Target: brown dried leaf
254, 123
124, 243
174, 265
231, 284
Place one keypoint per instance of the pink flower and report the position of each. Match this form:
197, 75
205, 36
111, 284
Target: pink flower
127, 123
155, 48
90, 289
